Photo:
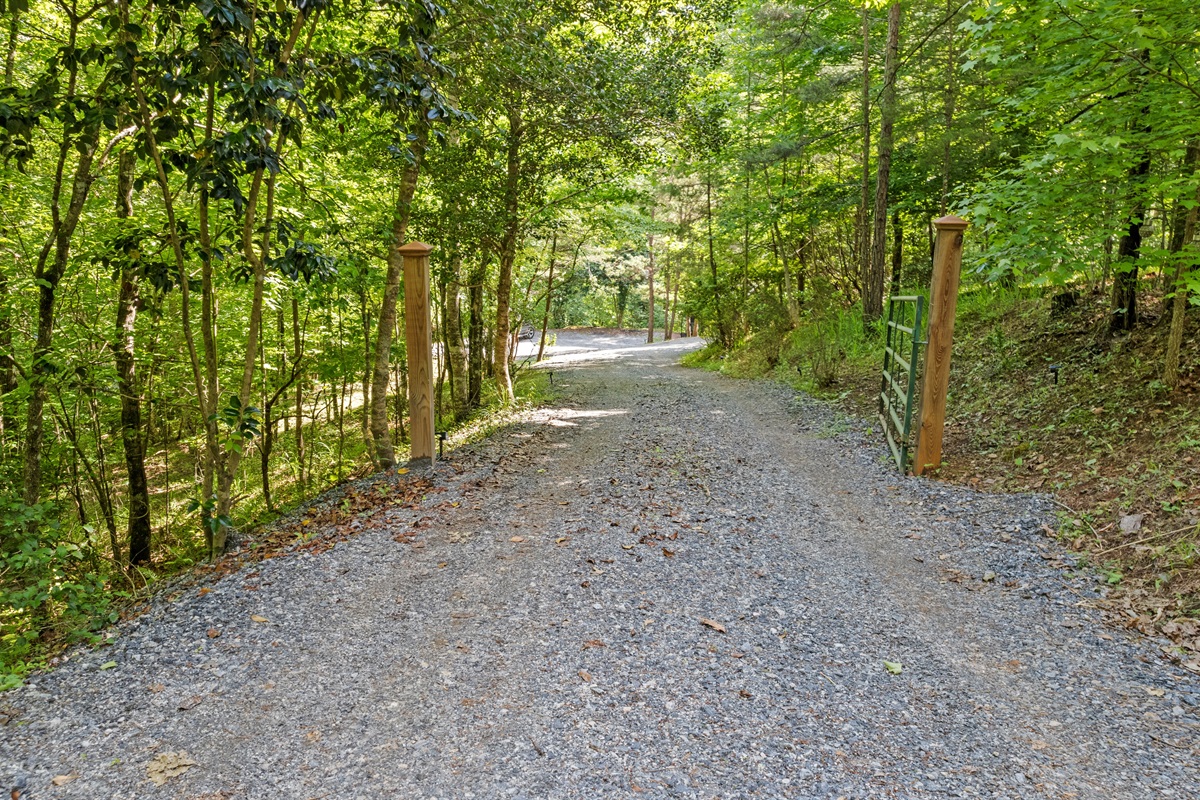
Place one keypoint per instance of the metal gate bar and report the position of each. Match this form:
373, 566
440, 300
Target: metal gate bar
897, 390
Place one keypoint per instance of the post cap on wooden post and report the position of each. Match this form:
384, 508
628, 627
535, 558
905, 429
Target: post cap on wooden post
414, 249
950, 223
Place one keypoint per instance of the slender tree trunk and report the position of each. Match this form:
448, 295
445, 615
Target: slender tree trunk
802, 267
508, 253
456, 349
385, 456
650, 282
128, 387
1129, 250
476, 346
864, 203
667, 296
368, 367
873, 287
1179, 303
948, 113
8, 378
124, 350
549, 295
48, 275
722, 330
297, 355
675, 301
897, 250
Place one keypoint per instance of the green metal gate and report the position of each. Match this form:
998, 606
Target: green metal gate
900, 361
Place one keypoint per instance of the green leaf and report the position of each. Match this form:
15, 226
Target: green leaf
894, 667
108, 665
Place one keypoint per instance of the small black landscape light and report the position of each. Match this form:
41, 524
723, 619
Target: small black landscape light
1054, 368
551, 376
441, 442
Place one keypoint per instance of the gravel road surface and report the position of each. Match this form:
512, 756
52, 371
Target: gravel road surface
666, 584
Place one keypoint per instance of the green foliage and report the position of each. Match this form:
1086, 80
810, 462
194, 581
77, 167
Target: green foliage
49, 584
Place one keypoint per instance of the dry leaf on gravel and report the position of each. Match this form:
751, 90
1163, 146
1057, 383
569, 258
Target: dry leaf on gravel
63, 780
257, 618
592, 643
517, 539
189, 703
711, 623
585, 675
213, 633
165, 766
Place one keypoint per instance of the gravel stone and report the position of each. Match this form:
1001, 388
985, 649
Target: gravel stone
648, 497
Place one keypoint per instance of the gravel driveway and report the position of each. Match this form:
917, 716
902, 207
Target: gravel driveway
669, 584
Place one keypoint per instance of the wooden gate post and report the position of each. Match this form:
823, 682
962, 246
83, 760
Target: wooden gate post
943, 301
419, 341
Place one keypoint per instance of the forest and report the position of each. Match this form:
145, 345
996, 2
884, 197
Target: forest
203, 200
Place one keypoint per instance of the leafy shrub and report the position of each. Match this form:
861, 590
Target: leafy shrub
50, 588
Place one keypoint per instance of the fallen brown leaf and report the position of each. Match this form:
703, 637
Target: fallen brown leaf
592, 643
517, 539
213, 633
585, 675
63, 780
668, 553
716, 626
257, 618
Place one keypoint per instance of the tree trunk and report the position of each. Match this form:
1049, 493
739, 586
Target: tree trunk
123, 348
549, 296
1179, 303
476, 344
1129, 250
667, 297
297, 354
456, 350
873, 285
897, 250
48, 275
722, 331
8, 377
368, 366
650, 282
864, 203
508, 253
948, 114
385, 455
674, 302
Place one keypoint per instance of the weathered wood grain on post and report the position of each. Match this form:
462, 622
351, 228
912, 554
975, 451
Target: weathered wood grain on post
943, 302
419, 342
